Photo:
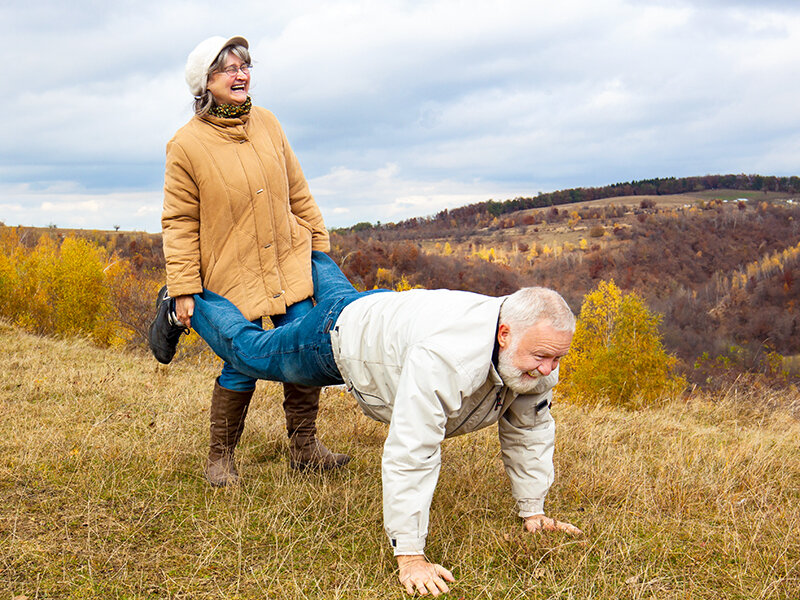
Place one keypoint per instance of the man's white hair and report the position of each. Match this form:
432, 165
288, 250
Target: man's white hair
532, 305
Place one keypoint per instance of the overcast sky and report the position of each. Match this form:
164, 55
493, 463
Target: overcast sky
398, 108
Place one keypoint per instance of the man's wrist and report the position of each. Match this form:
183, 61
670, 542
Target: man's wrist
526, 517
408, 546
404, 559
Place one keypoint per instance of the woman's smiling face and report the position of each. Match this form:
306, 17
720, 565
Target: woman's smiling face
228, 89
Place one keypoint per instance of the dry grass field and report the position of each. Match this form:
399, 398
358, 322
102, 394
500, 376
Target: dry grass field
102, 495
675, 200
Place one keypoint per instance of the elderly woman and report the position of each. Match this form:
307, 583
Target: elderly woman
238, 220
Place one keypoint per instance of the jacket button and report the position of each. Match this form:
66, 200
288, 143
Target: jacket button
268, 246
276, 295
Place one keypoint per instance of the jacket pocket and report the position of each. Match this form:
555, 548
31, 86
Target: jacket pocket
302, 232
372, 406
301, 229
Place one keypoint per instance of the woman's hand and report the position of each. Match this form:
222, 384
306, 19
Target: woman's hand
184, 309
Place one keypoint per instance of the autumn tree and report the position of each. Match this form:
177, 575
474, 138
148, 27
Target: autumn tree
616, 355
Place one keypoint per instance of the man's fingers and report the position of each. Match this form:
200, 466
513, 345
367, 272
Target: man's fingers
568, 528
547, 524
446, 574
427, 578
535, 524
542, 523
436, 585
433, 585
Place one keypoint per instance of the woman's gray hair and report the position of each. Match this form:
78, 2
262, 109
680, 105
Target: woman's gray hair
532, 305
204, 103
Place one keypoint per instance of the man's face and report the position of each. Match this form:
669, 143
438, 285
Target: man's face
527, 356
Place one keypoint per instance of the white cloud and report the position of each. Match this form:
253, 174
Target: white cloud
401, 108
387, 194
64, 204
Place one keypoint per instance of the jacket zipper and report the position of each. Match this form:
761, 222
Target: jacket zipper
472, 412
499, 400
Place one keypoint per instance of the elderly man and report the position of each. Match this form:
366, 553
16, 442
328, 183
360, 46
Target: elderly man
430, 363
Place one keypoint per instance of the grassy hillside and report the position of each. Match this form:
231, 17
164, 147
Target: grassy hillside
102, 495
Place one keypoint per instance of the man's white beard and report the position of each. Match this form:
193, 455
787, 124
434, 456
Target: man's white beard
512, 376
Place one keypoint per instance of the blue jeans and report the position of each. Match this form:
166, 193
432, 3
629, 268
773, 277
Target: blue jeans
230, 378
297, 352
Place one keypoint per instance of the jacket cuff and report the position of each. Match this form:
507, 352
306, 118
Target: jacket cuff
527, 507
320, 243
184, 290
408, 545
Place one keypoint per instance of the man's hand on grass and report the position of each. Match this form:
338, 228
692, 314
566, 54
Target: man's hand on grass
418, 574
538, 523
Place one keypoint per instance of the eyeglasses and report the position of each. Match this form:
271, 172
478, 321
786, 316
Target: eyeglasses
233, 70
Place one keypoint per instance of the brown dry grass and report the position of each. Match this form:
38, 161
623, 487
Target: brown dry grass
102, 495
669, 201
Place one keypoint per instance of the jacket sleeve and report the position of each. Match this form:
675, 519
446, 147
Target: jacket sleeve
302, 202
180, 224
427, 385
527, 439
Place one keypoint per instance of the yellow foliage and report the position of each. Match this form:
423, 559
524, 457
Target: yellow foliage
80, 295
574, 218
583, 244
484, 254
52, 289
403, 285
384, 277
616, 355
766, 266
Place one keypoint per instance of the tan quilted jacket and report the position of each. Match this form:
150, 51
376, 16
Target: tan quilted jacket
238, 216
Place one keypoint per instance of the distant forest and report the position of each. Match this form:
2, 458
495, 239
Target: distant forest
481, 213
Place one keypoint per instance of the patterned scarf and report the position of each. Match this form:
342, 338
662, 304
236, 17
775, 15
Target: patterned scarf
231, 111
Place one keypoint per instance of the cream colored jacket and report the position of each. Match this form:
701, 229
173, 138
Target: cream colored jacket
421, 361
238, 216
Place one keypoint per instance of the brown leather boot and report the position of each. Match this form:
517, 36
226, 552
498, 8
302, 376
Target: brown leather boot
228, 411
301, 404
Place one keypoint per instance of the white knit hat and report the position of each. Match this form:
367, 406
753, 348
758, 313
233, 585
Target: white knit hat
203, 56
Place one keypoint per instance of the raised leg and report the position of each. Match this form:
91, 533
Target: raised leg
288, 353
329, 281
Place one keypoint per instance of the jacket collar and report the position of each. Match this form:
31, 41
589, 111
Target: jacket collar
235, 129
